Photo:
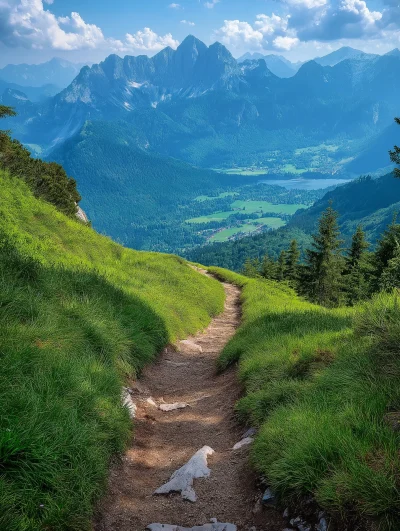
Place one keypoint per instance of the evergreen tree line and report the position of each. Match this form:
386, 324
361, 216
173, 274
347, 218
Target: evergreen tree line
47, 180
331, 275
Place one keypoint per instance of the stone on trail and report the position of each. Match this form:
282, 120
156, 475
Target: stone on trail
151, 401
189, 347
172, 407
128, 402
182, 480
215, 526
243, 442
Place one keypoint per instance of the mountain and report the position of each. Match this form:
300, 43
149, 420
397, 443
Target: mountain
34, 94
342, 54
57, 72
374, 157
278, 64
216, 112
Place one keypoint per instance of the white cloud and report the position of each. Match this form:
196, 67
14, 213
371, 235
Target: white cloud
285, 43
188, 23
27, 23
266, 32
175, 6
316, 21
211, 5
148, 41
236, 33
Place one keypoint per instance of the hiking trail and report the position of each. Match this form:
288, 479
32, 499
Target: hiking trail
164, 441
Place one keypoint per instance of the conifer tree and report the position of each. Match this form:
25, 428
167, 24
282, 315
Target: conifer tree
358, 270
322, 278
251, 268
292, 262
281, 266
395, 155
387, 247
268, 268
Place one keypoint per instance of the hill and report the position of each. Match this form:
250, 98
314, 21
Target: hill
79, 316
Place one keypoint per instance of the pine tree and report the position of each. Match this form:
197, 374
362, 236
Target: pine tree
322, 279
358, 269
251, 268
395, 155
268, 268
387, 246
292, 262
281, 267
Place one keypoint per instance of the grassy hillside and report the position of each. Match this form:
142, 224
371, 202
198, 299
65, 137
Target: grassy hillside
323, 386
79, 315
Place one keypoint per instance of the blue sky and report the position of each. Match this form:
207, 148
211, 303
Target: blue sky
37, 30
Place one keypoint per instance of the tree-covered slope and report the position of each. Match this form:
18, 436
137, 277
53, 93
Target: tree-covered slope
127, 189
79, 316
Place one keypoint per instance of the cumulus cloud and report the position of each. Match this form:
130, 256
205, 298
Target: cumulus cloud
188, 23
27, 23
315, 21
174, 6
148, 41
338, 19
266, 32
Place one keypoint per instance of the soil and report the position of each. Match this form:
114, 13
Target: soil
164, 441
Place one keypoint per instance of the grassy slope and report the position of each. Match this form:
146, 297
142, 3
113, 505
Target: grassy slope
78, 315
319, 384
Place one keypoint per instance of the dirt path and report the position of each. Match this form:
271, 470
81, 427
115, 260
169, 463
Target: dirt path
163, 442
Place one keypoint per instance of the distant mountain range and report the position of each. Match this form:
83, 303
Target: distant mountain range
204, 107
58, 72
282, 67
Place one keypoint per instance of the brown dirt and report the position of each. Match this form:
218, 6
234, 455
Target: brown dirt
163, 442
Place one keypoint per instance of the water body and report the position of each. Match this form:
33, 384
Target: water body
306, 184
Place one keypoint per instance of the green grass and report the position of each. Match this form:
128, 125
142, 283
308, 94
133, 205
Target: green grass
225, 234
217, 216
272, 223
291, 168
319, 384
202, 198
251, 207
79, 316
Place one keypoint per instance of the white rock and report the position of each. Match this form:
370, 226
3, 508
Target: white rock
173, 407
189, 347
182, 480
128, 402
216, 526
151, 402
243, 442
